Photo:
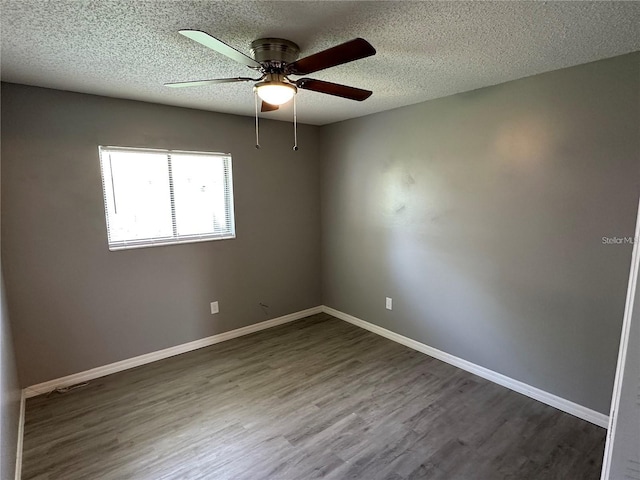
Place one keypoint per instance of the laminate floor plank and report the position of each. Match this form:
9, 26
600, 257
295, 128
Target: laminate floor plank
316, 398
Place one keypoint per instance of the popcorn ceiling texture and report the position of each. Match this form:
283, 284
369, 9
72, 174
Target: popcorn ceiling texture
128, 49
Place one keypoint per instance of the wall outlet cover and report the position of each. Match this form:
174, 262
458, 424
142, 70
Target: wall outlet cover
214, 308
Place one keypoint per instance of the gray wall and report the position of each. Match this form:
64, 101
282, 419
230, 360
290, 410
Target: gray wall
74, 304
482, 216
9, 394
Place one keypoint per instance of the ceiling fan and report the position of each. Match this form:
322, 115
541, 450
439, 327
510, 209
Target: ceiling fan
275, 59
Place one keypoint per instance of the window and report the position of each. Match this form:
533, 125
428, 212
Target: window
162, 197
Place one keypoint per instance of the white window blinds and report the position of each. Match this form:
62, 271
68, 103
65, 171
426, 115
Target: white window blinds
162, 197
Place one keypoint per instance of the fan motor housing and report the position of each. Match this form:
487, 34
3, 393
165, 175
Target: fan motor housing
274, 50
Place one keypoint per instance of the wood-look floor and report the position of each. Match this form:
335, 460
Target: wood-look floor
317, 398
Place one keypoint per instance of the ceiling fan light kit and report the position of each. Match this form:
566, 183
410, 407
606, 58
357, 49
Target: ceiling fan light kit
275, 90
275, 59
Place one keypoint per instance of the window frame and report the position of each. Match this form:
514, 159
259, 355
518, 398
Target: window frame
175, 239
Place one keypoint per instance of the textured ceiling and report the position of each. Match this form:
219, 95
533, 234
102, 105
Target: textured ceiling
129, 48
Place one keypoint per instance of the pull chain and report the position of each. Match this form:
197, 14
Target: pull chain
295, 125
255, 98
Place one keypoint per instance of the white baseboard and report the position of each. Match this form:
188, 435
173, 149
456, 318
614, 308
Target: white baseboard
98, 372
567, 406
18, 475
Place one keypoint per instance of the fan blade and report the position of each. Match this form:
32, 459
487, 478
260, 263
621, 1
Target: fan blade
336, 89
267, 107
198, 83
219, 46
344, 53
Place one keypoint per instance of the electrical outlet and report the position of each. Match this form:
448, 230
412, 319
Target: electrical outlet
389, 303
214, 308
